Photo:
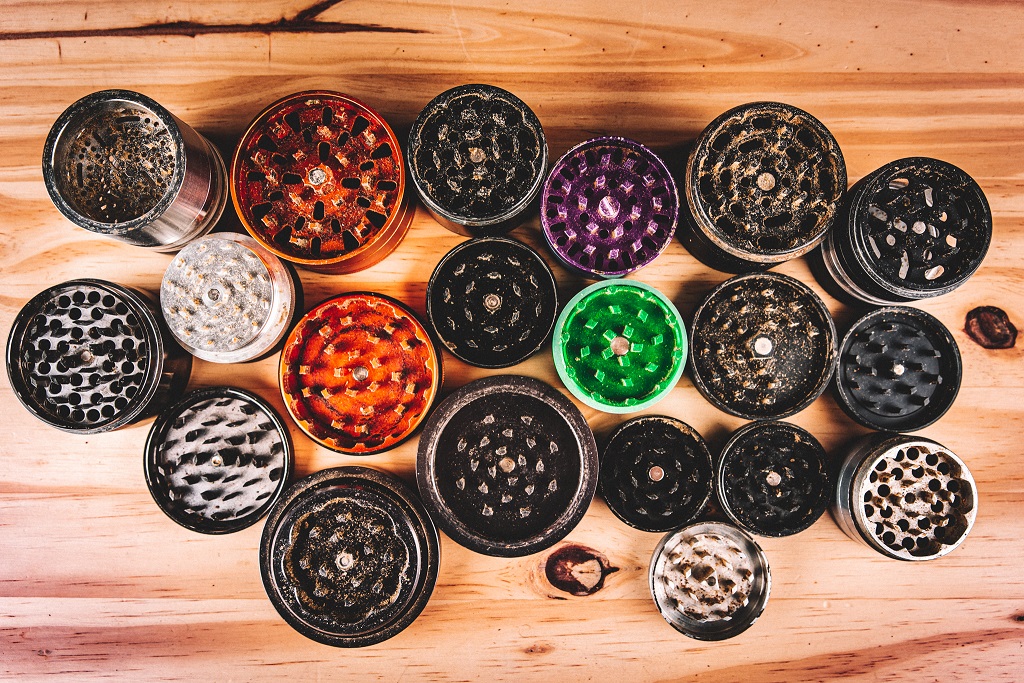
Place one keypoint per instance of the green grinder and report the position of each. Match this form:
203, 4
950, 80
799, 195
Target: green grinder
619, 346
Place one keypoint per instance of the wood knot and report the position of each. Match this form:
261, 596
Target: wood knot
577, 569
990, 328
539, 649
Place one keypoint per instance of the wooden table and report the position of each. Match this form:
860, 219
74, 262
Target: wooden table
96, 582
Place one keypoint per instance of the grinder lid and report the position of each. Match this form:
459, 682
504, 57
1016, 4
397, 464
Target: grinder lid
217, 460
359, 373
763, 346
349, 556
492, 302
318, 179
899, 370
507, 466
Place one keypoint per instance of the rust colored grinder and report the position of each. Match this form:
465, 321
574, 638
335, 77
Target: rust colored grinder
359, 373
318, 178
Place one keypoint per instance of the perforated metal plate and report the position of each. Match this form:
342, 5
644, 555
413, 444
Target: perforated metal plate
492, 302
763, 346
217, 460
899, 370
477, 156
773, 479
913, 229
119, 164
349, 556
609, 207
763, 185
507, 466
909, 498
710, 580
318, 178
359, 373
88, 356
656, 473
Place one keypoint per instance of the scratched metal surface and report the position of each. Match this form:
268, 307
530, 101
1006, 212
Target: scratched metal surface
95, 582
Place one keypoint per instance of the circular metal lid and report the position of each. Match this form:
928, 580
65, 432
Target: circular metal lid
477, 156
217, 460
710, 580
913, 498
507, 466
227, 299
492, 301
359, 373
609, 207
918, 227
318, 179
349, 556
114, 161
764, 346
656, 473
85, 356
773, 479
619, 346
763, 182
899, 370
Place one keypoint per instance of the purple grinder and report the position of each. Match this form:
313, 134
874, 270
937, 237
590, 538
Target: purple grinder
609, 207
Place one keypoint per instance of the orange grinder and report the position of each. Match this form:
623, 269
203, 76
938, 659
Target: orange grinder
318, 178
359, 373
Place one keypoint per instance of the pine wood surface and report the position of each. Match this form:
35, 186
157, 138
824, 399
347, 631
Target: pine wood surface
95, 582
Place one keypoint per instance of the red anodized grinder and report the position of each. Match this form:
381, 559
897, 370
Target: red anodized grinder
319, 179
359, 373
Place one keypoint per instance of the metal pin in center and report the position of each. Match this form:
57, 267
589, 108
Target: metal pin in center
656, 473
763, 346
492, 302
345, 561
620, 346
360, 373
507, 465
608, 207
773, 478
317, 176
766, 181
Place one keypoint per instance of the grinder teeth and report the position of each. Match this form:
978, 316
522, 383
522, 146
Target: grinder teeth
899, 369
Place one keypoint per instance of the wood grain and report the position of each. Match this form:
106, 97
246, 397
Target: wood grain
95, 582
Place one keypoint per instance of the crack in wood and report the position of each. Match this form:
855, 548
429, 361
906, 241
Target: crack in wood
304, 21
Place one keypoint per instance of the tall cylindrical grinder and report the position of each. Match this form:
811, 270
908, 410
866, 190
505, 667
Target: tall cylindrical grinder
89, 356
609, 207
226, 299
899, 370
477, 155
492, 302
763, 185
359, 373
773, 479
619, 346
318, 179
349, 556
656, 473
118, 164
763, 346
710, 580
907, 497
507, 466
913, 229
